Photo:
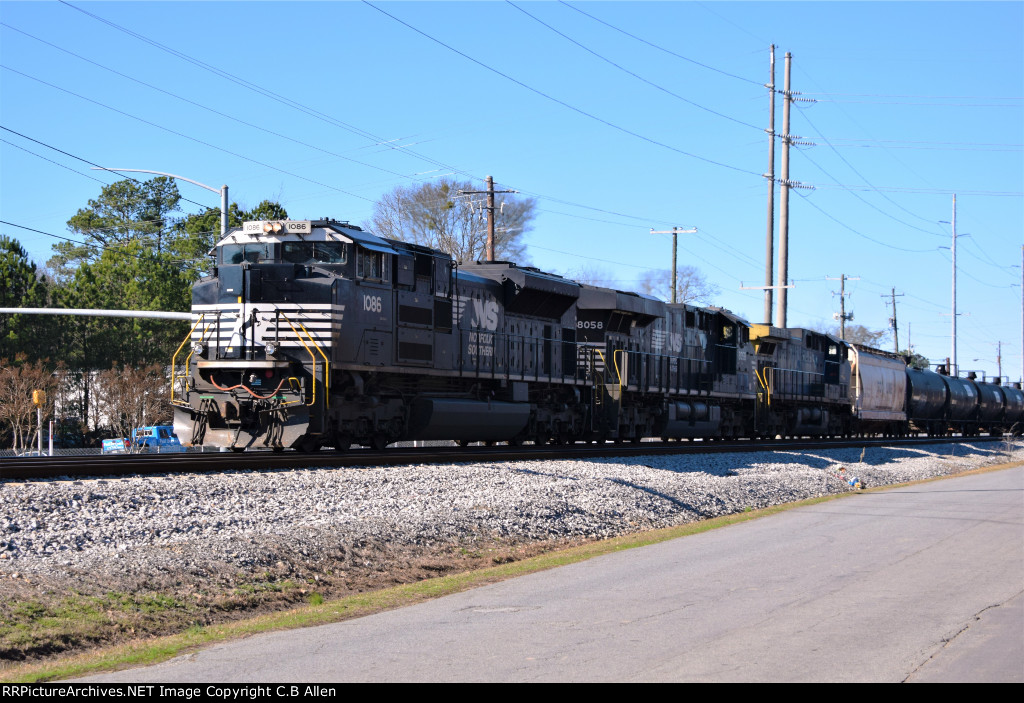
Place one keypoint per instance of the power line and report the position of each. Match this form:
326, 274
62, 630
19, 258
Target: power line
55, 163
934, 146
79, 158
864, 178
558, 101
661, 48
920, 97
210, 109
185, 136
377, 140
39, 231
860, 234
631, 73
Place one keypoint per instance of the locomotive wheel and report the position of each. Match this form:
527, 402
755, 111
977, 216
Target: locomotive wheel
309, 445
379, 441
464, 443
342, 442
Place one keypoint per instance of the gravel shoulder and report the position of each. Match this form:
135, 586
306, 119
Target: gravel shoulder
86, 563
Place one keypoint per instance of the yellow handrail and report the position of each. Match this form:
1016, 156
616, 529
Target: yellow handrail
327, 365
764, 383
312, 356
174, 357
615, 361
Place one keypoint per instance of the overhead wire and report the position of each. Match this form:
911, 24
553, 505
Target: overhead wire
185, 136
558, 101
55, 163
377, 140
858, 233
871, 185
79, 158
660, 48
631, 73
210, 109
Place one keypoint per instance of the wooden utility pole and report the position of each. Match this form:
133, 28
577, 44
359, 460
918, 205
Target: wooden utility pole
490, 212
674, 231
892, 321
843, 317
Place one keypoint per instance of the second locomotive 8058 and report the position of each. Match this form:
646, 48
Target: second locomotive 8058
317, 333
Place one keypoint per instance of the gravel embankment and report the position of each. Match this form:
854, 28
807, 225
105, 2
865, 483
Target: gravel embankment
147, 526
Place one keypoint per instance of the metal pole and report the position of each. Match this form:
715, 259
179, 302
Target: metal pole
223, 190
674, 238
223, 210
769, 246
780, 313
94, 312
842, 306
490, 219
895, 327
955, 366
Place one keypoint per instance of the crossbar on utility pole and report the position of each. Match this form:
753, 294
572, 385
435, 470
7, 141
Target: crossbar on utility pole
674, 231
490, 212
843, 317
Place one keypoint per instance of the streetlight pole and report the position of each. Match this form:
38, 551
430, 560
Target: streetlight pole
223, 190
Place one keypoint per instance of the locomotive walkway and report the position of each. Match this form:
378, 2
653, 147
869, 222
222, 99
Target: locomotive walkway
922, 583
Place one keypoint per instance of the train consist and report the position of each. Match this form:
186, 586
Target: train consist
317, 333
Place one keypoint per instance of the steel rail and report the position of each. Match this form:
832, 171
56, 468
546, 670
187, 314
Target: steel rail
189, 463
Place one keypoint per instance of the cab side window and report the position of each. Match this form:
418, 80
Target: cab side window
372, 265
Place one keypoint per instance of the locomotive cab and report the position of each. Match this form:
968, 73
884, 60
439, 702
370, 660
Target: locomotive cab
265, 327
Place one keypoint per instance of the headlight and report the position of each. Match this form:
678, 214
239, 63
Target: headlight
198, 348
271, 348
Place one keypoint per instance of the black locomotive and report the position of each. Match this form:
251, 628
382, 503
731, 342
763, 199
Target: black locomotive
317, 333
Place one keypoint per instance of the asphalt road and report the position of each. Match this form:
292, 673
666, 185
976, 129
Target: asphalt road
922, 583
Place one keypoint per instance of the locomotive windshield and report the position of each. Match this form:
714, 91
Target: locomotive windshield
320, 252
237, 253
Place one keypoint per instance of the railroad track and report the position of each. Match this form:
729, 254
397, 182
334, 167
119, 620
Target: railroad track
135, 464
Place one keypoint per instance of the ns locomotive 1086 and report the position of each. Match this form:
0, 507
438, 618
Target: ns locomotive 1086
317, 333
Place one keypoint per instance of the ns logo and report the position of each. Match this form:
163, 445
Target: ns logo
485, 315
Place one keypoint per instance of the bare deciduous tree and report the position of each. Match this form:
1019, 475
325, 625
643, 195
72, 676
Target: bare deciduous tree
438, 216
133, 397
691, 286
17, 411
855, 334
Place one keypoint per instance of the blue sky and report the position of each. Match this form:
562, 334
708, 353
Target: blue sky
618, 117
